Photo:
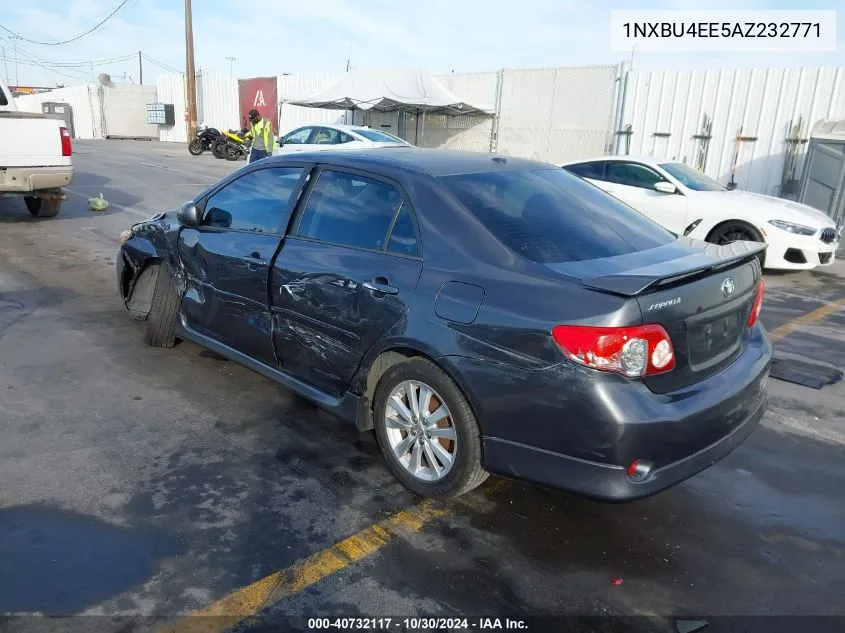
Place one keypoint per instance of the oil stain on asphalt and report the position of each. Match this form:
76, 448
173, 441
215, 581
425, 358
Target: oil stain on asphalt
55, 561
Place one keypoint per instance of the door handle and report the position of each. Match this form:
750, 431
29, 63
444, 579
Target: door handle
381, 288
254, 260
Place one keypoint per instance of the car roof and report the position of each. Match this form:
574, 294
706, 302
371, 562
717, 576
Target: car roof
435, 162
645, 160
341, 126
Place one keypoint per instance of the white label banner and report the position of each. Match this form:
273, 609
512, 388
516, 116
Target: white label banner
723, 31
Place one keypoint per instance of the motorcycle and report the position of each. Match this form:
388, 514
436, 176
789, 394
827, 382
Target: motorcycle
204, 140
233, 145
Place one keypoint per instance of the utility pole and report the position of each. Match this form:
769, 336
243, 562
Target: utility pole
190, 74
140, 70
15, 39
5, 65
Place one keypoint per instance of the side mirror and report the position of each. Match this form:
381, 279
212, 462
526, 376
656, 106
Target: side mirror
189, 215
281, 141
665, 187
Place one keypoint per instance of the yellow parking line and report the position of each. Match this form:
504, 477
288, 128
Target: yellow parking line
246, 602
805, 319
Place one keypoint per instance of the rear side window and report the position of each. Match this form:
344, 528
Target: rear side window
403, 237
587, 170
350, 210
379, 137
552, 216
3, 100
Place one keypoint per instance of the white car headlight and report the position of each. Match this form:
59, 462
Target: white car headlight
797, 229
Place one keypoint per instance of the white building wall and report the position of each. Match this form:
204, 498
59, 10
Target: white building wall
217, 101
83, 100
771, 105
170, 88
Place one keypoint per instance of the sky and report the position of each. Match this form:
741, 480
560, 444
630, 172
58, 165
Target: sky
301, 36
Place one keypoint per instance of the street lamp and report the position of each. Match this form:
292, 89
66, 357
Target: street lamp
231, 61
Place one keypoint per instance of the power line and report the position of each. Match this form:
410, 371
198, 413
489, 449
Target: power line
73, 39
161, 64
71, 66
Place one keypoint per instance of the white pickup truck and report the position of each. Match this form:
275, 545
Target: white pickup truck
35, 157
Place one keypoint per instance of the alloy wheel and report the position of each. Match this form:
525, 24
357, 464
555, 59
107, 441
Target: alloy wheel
420, 431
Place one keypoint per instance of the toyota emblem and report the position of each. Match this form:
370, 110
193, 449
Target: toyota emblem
728, 286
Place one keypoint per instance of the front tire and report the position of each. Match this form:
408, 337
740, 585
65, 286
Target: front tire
41, 208
232, 153
427, 431
218, 149
196, 147
734, 231
161, 319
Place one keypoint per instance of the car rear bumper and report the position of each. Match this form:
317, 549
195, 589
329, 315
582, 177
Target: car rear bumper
32, 179
609, 482
576, 429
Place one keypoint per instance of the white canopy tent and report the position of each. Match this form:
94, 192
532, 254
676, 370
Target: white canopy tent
405, 90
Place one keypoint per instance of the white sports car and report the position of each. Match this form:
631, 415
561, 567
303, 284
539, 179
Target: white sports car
312, 138
686, 202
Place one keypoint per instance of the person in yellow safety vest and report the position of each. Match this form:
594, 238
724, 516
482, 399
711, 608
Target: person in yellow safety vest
261, 131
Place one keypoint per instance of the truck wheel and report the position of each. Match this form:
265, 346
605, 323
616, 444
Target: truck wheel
41, 208
427, 431
161, 319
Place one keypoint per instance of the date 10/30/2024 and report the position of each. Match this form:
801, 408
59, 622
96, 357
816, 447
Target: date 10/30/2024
417, 624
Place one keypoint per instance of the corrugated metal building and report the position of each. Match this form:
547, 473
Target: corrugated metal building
747, 125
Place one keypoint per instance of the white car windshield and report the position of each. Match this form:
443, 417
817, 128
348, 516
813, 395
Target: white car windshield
691, 178
379, 137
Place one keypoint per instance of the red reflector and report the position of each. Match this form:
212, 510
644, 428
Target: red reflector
66, 148
632, 469
639, 350
757, 305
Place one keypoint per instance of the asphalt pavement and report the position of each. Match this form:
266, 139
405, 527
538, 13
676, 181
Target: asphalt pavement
144, 485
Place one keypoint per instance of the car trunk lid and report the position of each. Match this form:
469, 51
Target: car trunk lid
702, 295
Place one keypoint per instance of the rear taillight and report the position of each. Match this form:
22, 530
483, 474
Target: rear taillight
639, 350
66, 148
758, 304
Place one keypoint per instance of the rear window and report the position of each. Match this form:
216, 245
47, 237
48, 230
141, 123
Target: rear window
379, 137
551, 216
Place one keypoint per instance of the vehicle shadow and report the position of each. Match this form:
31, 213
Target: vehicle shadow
13, 210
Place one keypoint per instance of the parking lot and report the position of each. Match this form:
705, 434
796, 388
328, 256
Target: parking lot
154, 483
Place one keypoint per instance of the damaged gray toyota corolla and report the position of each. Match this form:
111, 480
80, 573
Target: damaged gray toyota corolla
481, 314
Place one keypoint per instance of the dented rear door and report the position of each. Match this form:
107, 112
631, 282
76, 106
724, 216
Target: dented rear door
345, 275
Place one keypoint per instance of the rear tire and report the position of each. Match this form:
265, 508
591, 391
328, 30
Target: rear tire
161, 320
196, 147
42, 208
465, 472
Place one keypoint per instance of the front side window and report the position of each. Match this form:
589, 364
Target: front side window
257, 201
632, 175
329, 136
298, 137
350, 210
692, 178
552, 216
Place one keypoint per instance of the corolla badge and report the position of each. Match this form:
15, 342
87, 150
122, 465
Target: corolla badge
728, 286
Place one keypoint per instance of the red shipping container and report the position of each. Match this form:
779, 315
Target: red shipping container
259, 93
